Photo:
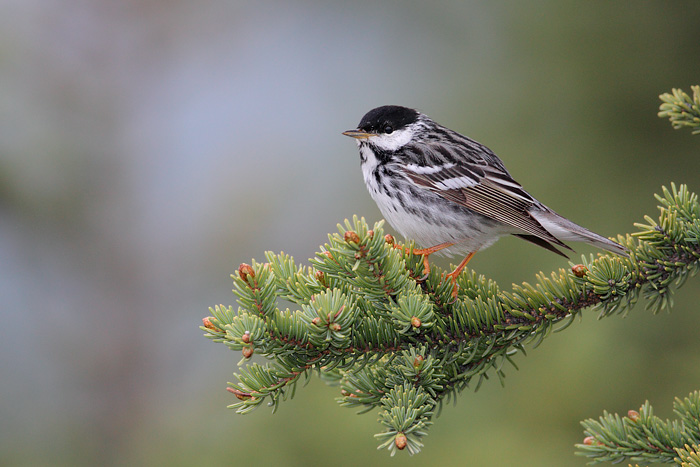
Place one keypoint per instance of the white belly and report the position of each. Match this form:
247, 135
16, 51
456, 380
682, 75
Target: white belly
426, 218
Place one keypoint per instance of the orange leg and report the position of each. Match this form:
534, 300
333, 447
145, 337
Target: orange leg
453, 275
427, 252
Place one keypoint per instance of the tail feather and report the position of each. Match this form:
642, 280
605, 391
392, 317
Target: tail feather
565, 230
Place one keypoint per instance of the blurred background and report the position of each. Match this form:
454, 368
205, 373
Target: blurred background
147, 148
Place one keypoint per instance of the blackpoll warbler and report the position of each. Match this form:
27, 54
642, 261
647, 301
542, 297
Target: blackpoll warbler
451, 194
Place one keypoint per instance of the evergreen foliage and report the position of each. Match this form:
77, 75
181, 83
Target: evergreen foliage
682, 110
364, 319
642, 436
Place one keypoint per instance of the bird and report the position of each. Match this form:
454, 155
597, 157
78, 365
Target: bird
450, 194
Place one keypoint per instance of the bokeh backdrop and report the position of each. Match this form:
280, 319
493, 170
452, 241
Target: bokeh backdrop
148, 147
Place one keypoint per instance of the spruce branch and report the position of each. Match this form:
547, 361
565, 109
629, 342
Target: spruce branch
689, 456
642, 436
363, 318
681, 109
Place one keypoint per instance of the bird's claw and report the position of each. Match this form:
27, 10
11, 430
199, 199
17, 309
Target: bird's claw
455, 288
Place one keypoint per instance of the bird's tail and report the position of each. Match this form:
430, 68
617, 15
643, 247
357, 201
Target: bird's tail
565, 230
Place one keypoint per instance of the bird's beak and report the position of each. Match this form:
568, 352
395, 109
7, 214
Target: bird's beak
357, 134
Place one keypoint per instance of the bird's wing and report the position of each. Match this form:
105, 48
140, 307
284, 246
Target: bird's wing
484, 188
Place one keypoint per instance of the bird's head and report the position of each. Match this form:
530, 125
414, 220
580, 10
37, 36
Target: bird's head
388, 128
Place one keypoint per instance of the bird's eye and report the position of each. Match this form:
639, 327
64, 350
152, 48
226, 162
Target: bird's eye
388, 129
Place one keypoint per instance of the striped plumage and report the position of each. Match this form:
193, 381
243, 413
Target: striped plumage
438, 187
451, 194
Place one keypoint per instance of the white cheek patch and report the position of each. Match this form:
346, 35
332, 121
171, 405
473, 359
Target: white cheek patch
393, 141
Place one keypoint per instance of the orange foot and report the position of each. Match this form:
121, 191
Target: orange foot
426, 252
454, 274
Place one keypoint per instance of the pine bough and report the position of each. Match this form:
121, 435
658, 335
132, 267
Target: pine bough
362, 318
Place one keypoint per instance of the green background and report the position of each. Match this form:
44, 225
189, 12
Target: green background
149, 147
